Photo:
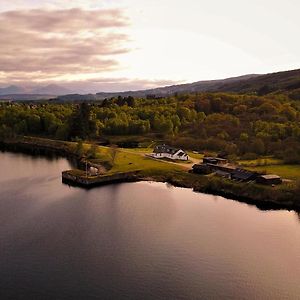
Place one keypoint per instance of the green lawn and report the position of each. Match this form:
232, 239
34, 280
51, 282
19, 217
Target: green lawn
263, 161
138, 150
128, 161
132, 159
125, 159
285, 171
195, 155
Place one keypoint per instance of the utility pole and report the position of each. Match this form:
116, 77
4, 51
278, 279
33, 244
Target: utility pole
86, 172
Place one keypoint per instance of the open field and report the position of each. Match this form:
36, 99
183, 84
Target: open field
132, 159
262, 161
285, 171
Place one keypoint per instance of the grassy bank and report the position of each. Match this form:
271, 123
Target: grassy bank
125, 160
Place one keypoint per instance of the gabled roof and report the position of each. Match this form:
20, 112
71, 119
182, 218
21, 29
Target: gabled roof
165, 149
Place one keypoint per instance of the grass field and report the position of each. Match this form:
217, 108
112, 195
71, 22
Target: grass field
132, 159
285, 171
195, 155
262, 161
128, 159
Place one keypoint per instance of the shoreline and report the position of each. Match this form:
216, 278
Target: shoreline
263, 197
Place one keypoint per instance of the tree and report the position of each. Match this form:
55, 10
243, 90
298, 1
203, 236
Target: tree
92, 152
80, 122
113, 149
258, 146
244, 137
79, 150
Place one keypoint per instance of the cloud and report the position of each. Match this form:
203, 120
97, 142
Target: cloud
41, 44
63, 4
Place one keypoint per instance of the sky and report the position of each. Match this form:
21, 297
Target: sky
117, 45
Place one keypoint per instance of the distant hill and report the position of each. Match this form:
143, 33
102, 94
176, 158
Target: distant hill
287, 82
26, 97
12, 89
51, 89
199, 86
78, 98
43, 92
263, 84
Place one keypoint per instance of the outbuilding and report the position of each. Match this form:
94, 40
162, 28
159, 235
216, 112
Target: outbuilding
201, 169
214, 160
243, 175
269, 179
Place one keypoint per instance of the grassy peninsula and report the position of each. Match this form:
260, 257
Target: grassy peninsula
116, 160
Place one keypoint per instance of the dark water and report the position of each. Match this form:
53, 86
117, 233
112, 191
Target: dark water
137, 241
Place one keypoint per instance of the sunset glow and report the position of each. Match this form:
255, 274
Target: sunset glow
116, 45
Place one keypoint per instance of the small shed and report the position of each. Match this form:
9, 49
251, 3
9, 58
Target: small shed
214, 160
201, 169
269, 179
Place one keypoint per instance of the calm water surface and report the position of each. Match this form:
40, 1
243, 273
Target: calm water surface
137, 241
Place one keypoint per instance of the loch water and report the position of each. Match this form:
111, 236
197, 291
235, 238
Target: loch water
137, 240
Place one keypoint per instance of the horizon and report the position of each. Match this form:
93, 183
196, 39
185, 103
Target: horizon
129, 45
30, 89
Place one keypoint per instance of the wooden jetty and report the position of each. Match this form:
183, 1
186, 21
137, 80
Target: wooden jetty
82, 179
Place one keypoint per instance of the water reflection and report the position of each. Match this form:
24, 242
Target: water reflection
137, 241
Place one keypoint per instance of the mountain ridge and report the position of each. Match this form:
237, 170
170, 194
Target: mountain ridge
50, 89
286, 81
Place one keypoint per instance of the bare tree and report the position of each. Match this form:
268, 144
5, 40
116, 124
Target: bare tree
113, 153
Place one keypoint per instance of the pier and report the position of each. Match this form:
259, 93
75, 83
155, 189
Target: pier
82, 179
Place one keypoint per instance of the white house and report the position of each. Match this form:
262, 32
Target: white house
165, 151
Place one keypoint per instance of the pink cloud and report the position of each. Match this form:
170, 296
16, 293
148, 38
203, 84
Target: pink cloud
60, 42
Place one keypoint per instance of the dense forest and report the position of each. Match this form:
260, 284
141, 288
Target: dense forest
244, 126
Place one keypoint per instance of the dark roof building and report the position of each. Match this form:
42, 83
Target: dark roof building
214, 160
207, 168
223, 167
269, 179
243, 175
201, 169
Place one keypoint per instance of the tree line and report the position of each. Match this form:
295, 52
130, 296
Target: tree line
240, 125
